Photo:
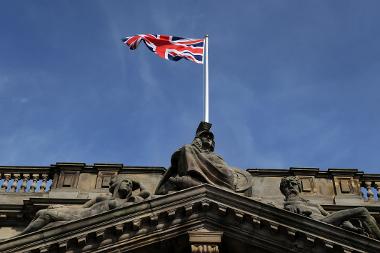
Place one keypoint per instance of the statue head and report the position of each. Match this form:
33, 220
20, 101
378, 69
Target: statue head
121, 187
207, 140
290, 185
205, 137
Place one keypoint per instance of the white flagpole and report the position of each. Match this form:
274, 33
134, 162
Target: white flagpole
206, 95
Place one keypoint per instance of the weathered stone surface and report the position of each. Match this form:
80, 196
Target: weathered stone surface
87, 182
196, 164
6, 232
205, 241
291, 187
172, 226
247, 226
121, 190
17, 208
150, 181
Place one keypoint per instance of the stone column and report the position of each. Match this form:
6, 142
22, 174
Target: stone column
25, 179
33, 186
16, 177
7, 178
43, 183
368, 186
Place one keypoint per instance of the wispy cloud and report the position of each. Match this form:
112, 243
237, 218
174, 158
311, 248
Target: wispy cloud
116, 34
3, 81
25, 146
169, 22
151, 89
21, 100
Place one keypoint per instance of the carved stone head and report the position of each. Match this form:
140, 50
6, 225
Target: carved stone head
208, 142
204, 137
121, 187
204, 127
290, 185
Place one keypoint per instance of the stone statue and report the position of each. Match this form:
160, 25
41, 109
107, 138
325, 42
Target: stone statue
364, 222
121, 190
196, 163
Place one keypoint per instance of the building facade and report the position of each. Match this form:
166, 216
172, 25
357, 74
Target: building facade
202, 218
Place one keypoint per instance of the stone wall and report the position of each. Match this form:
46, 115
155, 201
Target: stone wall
26, 189
346, 187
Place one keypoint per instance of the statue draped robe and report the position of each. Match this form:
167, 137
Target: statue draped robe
205, 166
200, 165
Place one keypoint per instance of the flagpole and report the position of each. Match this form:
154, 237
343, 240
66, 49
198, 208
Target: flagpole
206, 94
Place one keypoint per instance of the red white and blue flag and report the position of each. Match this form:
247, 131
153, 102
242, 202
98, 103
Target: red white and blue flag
169, 47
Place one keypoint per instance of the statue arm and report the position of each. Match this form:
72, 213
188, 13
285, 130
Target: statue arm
55, 206
322, 210
143, 192
172, 170
91, 202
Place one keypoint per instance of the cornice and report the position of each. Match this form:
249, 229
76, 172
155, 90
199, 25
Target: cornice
311, 171
175, 214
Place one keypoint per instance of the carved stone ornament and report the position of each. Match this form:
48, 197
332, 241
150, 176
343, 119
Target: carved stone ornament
196, 163
356, 219
204, 241
192, 221
121, 190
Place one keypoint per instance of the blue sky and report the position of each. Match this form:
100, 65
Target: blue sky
293, 83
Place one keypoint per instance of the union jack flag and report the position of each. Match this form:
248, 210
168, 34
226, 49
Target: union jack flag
169, 47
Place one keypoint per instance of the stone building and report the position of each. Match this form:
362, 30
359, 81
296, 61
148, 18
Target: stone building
203, 218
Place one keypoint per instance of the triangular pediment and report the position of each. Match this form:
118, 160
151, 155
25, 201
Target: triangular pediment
162, 224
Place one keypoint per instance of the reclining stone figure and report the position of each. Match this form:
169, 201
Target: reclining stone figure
290, 188
121, 190
196, 164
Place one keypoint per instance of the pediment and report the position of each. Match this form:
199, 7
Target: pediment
162, 224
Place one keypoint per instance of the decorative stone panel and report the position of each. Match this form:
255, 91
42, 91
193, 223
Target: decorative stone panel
344, 185
104, 178
203, 241
69, 174
307, 184
68, 179
105, 172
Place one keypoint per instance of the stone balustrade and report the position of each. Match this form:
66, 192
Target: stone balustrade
71, 177
370, 190
25, 179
